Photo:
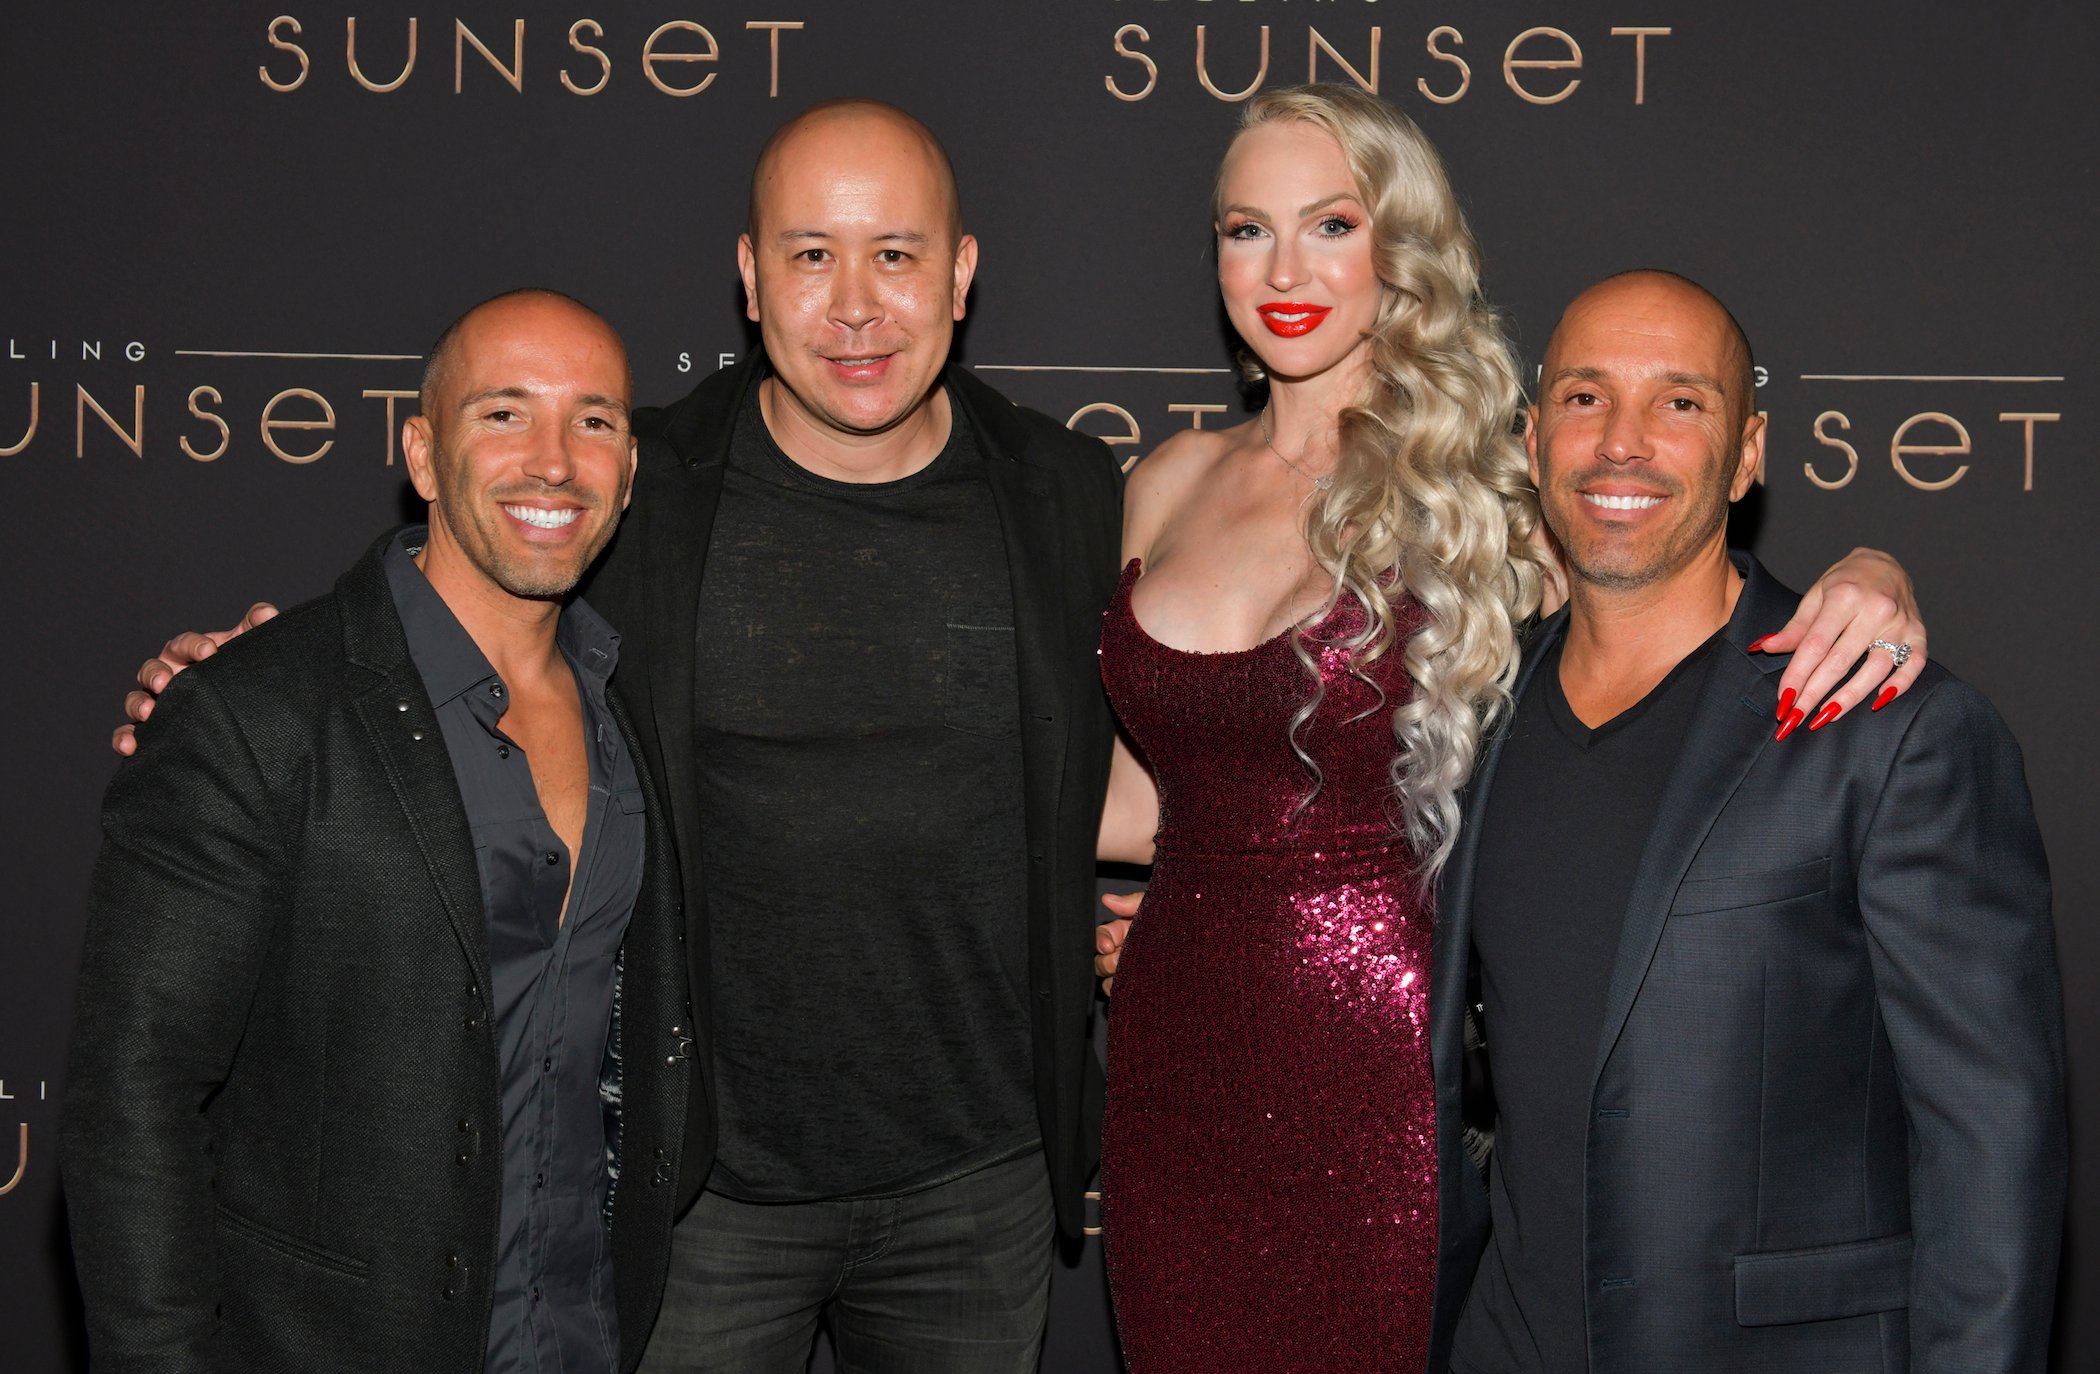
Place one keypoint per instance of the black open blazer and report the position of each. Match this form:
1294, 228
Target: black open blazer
281, 1147
1059, 498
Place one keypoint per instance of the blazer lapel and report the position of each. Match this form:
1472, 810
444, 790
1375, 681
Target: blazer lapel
412, 750
1025, 496
677, 557
679, 507
1730, 727
397, 718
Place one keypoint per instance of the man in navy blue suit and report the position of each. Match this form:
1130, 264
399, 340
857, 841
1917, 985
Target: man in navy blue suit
1773, 1017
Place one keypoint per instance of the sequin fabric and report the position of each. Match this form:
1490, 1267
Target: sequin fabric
1269, 1165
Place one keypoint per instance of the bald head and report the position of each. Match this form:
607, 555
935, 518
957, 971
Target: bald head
848, 136
856, 269
526, 309
1645, 430
1660, 295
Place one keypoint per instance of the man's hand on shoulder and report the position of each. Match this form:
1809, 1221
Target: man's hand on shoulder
177, 654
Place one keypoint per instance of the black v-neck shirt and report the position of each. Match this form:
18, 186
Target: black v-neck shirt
1567, 819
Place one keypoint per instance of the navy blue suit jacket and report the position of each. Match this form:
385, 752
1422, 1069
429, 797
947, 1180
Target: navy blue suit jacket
1827, 1128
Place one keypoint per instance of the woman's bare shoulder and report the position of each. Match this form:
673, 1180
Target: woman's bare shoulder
1186, 458
1164, 480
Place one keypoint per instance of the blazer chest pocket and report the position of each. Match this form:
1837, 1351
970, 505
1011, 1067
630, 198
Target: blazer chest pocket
982, 688
1823, 1283
1701, 896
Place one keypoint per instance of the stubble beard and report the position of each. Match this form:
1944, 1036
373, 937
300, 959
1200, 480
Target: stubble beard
481, 539
1619, 567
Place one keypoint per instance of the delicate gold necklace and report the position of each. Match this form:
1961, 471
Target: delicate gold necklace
1323, 482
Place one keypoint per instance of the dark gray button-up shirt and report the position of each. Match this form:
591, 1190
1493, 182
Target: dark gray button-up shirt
555, 981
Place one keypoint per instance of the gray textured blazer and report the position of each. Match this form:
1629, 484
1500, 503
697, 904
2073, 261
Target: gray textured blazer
280, 1146
1828, 1129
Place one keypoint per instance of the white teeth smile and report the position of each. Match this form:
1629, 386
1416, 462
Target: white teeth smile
856, 362
543, 519
1290, 319
1623, 502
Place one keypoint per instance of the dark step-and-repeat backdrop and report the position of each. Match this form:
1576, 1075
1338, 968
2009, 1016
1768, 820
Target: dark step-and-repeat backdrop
227, 231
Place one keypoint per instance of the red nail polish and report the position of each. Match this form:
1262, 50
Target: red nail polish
1828, 714
1754, 645
1786, 704
1888, 694
1786, 727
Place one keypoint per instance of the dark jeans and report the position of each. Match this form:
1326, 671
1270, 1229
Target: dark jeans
953, 1279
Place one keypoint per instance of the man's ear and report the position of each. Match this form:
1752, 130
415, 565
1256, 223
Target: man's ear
1531, 441
1750, 461
634, 462
418, 451
747, 268
965, 270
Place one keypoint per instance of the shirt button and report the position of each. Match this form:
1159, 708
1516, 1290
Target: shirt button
496, 689
552, 858
547, 1065
539, 1180
502, 751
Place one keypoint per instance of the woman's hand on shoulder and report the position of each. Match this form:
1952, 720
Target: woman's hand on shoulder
1861, 618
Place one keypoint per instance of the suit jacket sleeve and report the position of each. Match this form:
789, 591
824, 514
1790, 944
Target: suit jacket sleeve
1954, 891
185, 890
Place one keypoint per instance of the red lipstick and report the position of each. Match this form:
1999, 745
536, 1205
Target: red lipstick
1302, 319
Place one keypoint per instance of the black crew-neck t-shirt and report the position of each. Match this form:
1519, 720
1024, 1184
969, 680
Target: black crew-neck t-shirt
858, 735
1565, 826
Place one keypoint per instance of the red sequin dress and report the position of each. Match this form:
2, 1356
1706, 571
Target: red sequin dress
1268, 1171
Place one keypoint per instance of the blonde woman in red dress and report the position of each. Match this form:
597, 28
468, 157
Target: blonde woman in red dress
1317, 621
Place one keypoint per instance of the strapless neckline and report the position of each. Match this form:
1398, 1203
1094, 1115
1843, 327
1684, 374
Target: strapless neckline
1133, 573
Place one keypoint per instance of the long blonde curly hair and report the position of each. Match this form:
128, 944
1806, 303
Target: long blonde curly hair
1432, 497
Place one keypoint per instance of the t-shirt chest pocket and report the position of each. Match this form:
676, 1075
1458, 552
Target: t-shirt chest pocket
980, 690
